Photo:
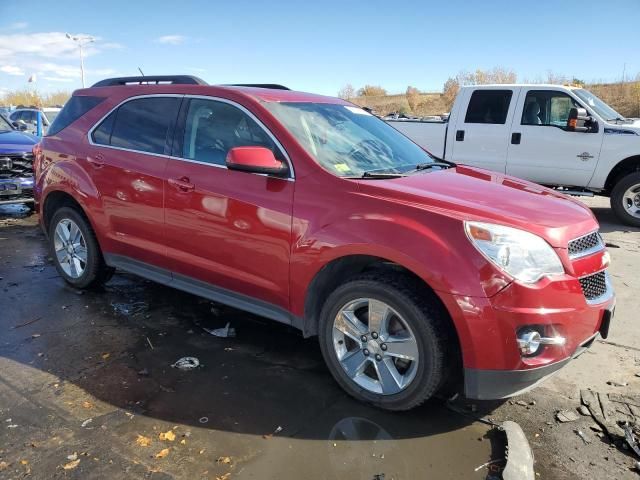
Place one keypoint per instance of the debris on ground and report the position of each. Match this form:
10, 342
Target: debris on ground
73, 456
519, 456
565, 416
630, 438
162, 453
20, 325
71, 465
224, 460
225, 332
86, 422
129, 309
186, 363
143, 373
169, 436
491, 462
611, 410
522, 403
379, 476
614, 383
584, 411
143, 441
203, 420
276, 431
581, 434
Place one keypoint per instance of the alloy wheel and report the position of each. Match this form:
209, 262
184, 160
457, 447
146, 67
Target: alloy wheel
631, 201
70, 247
375, 346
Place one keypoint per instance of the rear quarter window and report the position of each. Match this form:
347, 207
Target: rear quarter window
72, 110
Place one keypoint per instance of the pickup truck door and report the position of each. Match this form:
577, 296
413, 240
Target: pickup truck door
542, 150
480, 136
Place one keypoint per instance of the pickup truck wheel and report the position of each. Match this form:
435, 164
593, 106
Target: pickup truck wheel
625, 199
75, 250
384, 343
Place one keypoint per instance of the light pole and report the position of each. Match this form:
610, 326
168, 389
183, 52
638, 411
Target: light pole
81, 40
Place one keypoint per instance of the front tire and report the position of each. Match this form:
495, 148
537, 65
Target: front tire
625, 199
75, 250
384, 343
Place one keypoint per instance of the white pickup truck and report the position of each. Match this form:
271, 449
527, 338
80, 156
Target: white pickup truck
558, 136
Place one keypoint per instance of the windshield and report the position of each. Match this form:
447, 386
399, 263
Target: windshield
348, 141
5, 126
600, 107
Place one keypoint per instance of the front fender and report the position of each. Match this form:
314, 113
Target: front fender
432, 246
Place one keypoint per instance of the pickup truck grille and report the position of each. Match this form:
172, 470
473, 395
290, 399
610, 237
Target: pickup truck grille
16, 166
594, 286
585, 245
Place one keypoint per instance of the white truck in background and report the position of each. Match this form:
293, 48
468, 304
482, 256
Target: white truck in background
559, 136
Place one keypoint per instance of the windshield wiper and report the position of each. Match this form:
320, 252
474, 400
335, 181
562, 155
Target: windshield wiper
428, 165
619, 119
372, 174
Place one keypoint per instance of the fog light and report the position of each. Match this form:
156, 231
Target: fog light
530, 341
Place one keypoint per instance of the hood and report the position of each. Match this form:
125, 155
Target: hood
474, 194
17, 142
632, 127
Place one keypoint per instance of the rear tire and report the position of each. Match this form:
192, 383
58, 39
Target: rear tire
416, 327
625, 199
75, 250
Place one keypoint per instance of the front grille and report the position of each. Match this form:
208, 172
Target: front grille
16, 166
585, 244
594, 286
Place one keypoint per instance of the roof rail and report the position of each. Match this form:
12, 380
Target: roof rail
152, 79
273, 86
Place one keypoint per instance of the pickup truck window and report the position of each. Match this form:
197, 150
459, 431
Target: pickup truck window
547, 108
488, 106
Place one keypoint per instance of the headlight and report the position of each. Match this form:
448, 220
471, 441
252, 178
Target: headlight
523, 255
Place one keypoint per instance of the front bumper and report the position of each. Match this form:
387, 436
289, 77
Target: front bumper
496, 384
16, 190
494, 366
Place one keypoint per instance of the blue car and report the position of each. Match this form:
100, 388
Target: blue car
16, 165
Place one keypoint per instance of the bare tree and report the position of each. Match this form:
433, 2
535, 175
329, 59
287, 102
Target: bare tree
372, 91
347, 92
449, 92
413, 98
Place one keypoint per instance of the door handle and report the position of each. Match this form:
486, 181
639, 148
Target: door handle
515, 138
460, 136
182, 184
97, 161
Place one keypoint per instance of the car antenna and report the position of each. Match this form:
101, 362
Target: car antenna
141, 72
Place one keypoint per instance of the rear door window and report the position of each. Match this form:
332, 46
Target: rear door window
143, 125
489, 106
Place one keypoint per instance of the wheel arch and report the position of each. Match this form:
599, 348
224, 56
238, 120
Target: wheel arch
341, 269
55, 200
621, 169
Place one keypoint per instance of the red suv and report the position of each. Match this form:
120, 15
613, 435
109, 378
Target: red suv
308, 210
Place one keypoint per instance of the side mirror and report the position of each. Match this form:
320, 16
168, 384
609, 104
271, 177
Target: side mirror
580, 121
255, 160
